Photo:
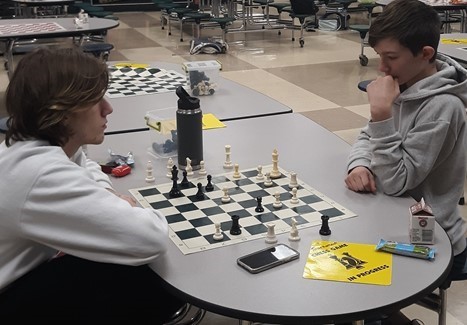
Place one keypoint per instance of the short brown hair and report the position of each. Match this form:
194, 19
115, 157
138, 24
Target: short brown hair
411, 22
47, 85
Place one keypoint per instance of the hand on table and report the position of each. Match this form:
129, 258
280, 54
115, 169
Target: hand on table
381, 94
360, 179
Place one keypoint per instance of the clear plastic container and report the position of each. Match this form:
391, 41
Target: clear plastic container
163, 131
202, 77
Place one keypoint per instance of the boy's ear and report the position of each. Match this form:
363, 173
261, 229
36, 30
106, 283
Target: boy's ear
428, 52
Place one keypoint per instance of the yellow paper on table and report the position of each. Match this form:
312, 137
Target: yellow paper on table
454, 40
131, 65
348, 262
211, 122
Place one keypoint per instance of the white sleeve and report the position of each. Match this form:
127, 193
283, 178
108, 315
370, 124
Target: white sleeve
93, 168
67, 211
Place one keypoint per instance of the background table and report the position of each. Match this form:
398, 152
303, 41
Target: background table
213, 281
58, 7
230, 102
456, 51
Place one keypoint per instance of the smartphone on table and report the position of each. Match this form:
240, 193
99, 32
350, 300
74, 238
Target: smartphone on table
267, 258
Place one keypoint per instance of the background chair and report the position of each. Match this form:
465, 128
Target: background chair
304, 10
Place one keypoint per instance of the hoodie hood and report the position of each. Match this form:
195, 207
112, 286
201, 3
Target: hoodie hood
451, 78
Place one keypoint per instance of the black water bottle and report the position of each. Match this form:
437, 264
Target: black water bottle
189, 129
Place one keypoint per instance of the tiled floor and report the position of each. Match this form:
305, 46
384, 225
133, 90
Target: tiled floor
319, 81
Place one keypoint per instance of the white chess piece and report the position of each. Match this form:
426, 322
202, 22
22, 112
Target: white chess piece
218, 234
236, 173
226, 197
294, 199
188, 168
170, 164
271, 235
268, 181
293, 235
228, 163
277, 203
149, 177
275, 173
260, 175
293, 180
202, 170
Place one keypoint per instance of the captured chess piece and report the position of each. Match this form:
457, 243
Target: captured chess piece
170, 164
149, 177
188, 168
202, 170
209, 187
235, 229
259, 207
228, 163
236, 173
271, 235
325, 230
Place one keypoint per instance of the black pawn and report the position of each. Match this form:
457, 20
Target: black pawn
235, 230
259, 208
200, 194
175, 192
185, 183
325, 231
209, 186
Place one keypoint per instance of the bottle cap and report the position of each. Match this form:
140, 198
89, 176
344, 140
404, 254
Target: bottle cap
185, 101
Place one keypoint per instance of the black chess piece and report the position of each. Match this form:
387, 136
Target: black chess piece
259, 207
235, 229
209, 187
175, 192
325, 230
185, 183
200, 194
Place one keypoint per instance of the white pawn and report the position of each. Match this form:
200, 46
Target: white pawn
271, 235
228, 162
226, 197
260, 175
293, 235
189, 169
293, 180
149, 177
202, 170
170, 164
268, 181
294, 199
218, 234
236, 173
277, 204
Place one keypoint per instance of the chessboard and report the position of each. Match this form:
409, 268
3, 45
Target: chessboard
135, 81
192, 221
34, 28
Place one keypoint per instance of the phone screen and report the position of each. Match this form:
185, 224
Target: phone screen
267, 258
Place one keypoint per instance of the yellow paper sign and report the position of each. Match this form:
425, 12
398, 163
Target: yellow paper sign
348, 262
211, 122
131, 65
454, 40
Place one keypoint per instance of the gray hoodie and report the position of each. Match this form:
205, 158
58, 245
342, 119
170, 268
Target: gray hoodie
421, 150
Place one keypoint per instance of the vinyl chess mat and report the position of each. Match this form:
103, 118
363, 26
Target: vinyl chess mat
129, 81
191, 221
29, 28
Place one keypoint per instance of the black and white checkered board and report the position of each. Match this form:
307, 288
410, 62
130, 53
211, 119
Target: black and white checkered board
129, 81
191, 221
14, 29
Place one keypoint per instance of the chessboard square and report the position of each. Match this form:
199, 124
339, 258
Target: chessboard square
160, 205
313, 218
168, 197
174, 218
242, 182
248, 203
280, 189
211, 240
331, 212
219, 180
257, 229
180, 226
212, 211
206, 203
149, 191
196, 242
216, 194
309, 199
250, 173
258, 193
195, 200
180, 201
241, 213
299, 219
271, 207
251, 188
281, 226
302, 209
154, 198
219, 201
266, 217
169, 211
229, 207
186, 207
220, 218
249, 221
188, 234
189, 215
200, 222
241, 197
285, 213
282, 181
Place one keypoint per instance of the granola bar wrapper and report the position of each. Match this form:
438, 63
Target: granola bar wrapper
410, 250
